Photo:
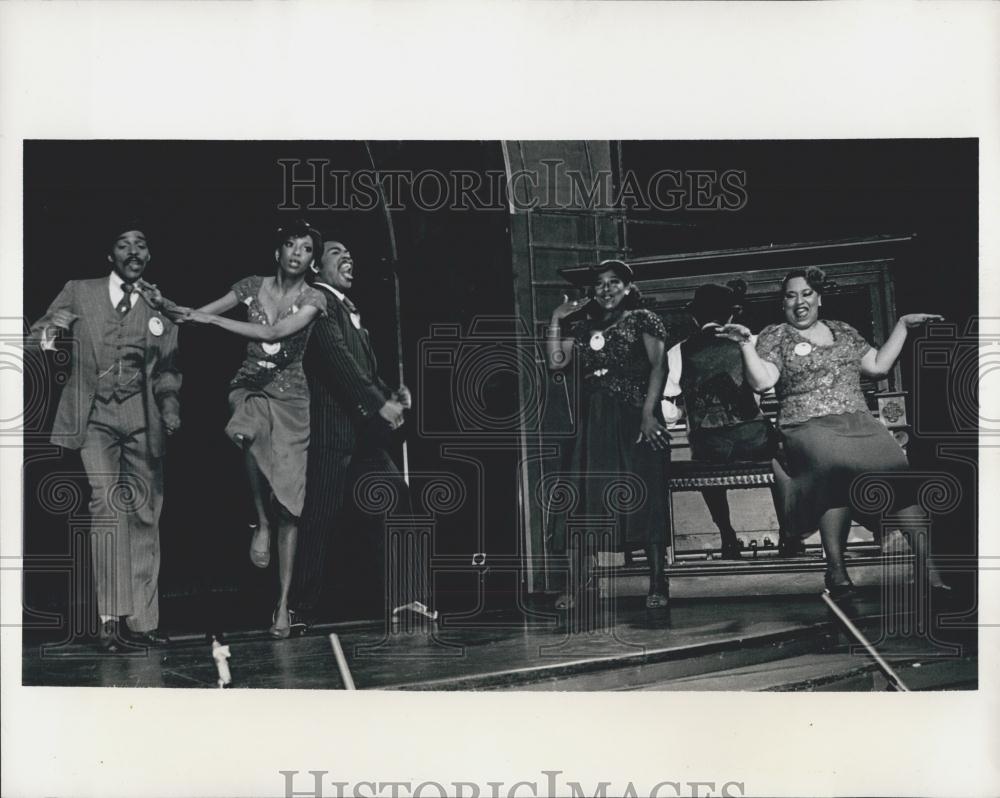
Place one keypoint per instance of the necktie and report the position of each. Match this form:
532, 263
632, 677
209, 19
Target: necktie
125, 304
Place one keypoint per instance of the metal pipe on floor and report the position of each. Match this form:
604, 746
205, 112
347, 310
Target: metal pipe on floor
338, 653
841, 616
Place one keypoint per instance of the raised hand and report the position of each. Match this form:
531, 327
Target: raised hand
911, 320
568, 308
734, 332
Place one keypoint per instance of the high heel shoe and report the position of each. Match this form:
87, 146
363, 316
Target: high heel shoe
295, 626
260, 558
838, 590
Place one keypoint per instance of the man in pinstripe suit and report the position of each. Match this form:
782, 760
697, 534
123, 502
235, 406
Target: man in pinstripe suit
119, 403
352, 413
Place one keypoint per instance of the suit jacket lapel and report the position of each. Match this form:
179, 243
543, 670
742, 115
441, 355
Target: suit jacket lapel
98, 300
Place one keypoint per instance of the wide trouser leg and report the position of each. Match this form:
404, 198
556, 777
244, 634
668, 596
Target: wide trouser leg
399, 547
325, 481
126, 485
145, 476
109, 545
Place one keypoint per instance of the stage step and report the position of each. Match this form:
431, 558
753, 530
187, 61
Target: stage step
658, 666
832, 672
767, 576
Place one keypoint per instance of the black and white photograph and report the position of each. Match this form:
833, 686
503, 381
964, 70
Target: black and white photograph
566, 415
641, 427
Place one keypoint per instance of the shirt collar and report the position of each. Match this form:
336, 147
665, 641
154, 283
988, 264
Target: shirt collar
339, 294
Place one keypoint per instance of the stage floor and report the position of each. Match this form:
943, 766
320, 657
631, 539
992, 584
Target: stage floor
772, 643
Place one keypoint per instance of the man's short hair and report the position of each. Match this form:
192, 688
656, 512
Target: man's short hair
122, 226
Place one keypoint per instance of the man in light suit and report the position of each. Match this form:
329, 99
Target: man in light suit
352, 413
117, 407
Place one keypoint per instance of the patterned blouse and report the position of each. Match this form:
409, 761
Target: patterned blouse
278, 362
614, 359
815, 380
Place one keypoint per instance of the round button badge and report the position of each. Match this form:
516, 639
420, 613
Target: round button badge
156, 326
597, 341
271, 348
802, 348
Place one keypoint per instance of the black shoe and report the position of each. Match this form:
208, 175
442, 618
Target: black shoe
838, 590
150, 638
109, 638
791, 547
731, 550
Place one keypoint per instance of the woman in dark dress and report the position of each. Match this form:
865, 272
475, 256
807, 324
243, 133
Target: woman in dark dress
269, 397
829, 434
618, 458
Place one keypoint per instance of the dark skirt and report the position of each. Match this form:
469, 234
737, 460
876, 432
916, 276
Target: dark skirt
609, 485
823, 456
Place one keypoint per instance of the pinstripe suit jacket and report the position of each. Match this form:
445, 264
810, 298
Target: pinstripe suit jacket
344, 385
87, 299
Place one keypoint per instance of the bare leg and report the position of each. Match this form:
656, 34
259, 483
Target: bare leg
834, 525
913, 524
260, 544
287, 539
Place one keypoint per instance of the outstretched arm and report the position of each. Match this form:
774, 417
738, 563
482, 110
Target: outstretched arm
221, 305
59, 316
257, 332
761, 374
877, 363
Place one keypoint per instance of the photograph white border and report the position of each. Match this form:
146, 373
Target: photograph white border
449, 70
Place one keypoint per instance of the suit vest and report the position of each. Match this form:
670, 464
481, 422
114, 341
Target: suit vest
715, 391
121, 353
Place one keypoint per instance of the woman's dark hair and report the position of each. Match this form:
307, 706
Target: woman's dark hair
813, 276
300, 229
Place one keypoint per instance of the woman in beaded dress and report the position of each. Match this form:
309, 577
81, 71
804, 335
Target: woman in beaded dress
828, 433
616, 464
269, 396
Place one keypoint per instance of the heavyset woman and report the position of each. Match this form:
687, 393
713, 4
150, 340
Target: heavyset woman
269, 396
829, 435
620, 438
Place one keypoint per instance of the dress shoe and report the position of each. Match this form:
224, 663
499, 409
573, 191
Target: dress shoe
791, 547
840, 589
731, 550
109, 637
151, 638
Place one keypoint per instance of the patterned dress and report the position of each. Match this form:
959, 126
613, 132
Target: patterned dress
269, 398
610, 484
829, 435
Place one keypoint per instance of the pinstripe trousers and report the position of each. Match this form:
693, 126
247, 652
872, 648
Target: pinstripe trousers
126, 494
333, 505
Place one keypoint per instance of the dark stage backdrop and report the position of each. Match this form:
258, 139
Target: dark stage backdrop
211, 209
